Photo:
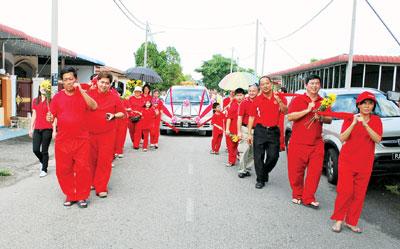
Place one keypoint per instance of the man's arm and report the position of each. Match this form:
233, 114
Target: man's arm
250, 130
91, 103
298, 115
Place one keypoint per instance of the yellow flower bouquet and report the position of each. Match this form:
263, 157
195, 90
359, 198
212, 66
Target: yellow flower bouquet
326, 103
234, 138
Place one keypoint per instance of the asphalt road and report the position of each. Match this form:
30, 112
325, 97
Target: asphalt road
180, 196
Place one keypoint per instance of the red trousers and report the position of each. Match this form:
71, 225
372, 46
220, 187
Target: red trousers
146, 134
101, 156
122, 127
232, 150
155, 132
135, 133
301, 158
216, 141
72, 168
351, 190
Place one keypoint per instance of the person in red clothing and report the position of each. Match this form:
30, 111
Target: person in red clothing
70, 107
264, 113
245, 150
102, 127
122, 128
231, 128
226, 104
136, 102
41, 131
355, 162
217, 121
147, 93
157, 105
306, 147
148, 117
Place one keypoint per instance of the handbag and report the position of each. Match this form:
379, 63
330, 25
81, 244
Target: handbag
135, 119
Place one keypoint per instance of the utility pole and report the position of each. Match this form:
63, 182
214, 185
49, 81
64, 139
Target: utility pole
145, 45
54, 44
349, 68
263, 59
233, 49
237, 67
256, 52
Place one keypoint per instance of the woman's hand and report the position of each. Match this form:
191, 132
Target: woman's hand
54, 134
30, 133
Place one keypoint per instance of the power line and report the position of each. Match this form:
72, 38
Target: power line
384, 24
129, 18
203, 28
137, 19
305, 24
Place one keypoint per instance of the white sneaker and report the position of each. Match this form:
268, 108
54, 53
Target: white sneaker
121, 156
112, 165
42, 174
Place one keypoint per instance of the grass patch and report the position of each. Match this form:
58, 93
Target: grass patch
394, 189
5, 172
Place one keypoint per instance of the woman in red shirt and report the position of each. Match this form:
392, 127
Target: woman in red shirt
147, 92
41, 130
148, 117
355, 162
157, 105
217, 121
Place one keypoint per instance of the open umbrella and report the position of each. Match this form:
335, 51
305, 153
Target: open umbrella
143, 74
236, 80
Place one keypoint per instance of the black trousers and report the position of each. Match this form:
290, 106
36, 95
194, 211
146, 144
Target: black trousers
42, 139
266, 142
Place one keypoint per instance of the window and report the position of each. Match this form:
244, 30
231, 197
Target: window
371, 76
193, 95
336, 77
342, 75
357, 75
330, 77
387, 79
397, 88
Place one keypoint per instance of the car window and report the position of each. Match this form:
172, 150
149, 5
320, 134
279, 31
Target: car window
384, 108
193, 95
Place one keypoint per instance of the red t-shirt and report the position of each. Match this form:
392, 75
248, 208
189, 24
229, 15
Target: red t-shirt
358, 152
106, 103
70, 112
158, 105
226, 105
148, 118
233, 114
41, 111
301, 134
136, 105
218, 119
266, 110
244, 110
147, 97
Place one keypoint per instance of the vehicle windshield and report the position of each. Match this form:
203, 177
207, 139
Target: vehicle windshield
384, 109
193, 95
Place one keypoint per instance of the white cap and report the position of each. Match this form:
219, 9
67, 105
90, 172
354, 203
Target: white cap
137, 89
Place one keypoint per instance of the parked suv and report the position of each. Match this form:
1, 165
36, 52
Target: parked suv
185, 107
387, 152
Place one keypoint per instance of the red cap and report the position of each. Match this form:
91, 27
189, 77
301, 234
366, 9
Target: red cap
365, 95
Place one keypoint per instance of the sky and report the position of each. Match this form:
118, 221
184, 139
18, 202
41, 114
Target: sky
199, 29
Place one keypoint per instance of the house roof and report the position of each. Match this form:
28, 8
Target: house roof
343, 58
20, 43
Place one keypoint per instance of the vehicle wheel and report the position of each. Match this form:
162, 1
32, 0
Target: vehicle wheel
331, 165
163, 132
208, 133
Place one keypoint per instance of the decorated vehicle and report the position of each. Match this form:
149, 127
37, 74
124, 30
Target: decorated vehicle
187, 108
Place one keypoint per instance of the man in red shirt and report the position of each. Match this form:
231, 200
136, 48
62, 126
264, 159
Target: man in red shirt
231, 127
306, 147
102, 127
265, 112
70, 107
245, 150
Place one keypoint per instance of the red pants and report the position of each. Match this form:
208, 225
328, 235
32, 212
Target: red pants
101, 156
146, 134
282, 129
122, 126
300, 158
351, 190
135, 133
72, 168
155, 132
232, 150
216, 141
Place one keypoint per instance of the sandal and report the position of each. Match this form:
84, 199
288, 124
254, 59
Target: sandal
82, 204
296, 201
68, 203
313, 205
354, 229
337, 227
102, 194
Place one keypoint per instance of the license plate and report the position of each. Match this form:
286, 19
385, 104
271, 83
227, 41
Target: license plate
185, 125
396, 156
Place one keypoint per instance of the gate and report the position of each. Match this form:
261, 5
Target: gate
24, 97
